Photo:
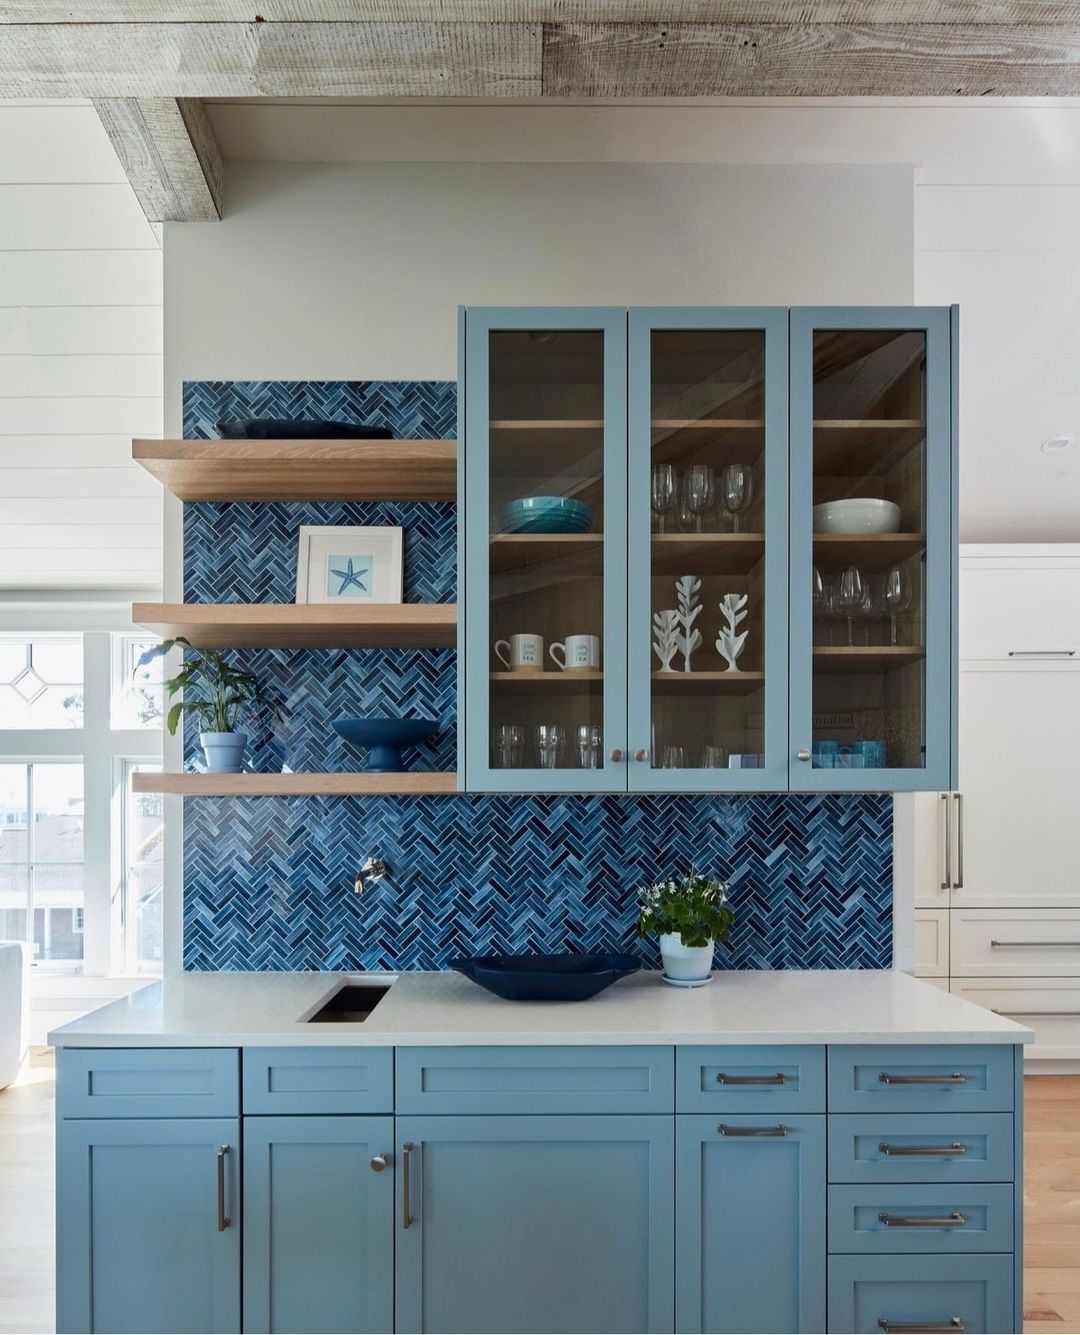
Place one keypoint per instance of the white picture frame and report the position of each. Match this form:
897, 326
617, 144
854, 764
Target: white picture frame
349, 564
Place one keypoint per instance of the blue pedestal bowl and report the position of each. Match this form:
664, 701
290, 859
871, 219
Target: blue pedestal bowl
383, 739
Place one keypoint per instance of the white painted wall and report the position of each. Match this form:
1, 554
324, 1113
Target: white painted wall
80, 358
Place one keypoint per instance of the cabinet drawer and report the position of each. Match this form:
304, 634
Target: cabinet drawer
903, 1295
934, 1147
750, 1079
1048, 1006
318, 1080
535, 1080
929, 1078
148, 1082
932, 943
924, 1218
1015, 943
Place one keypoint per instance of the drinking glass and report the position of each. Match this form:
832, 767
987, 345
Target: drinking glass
549, 744
675, 757
713, 756
736, 490
665, 491
508, 745
849, 594
699, 482
869, 608
826, 605
895, 596
589, 739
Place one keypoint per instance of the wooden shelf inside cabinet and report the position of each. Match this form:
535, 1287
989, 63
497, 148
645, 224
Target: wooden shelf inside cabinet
302, 625
295, 785
863, 447
833, 550
865, 658
547, 424
302, 470
707, 683
546, 683
706, 553
561, 553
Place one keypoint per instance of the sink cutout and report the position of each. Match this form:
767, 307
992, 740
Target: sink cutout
352, 1003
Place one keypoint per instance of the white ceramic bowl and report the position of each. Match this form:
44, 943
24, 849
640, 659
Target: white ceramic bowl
858, 514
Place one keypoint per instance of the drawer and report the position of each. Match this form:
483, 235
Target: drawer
536, 1080
930, 1078
903, 1295
148, 1082
750, 1079
930, 1147
1015, 943
962, 1217
1048, 1006
318, 1080
932, 943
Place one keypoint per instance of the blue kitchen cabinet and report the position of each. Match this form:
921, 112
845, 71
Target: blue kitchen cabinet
750, 1225
148, 1225
318, 1224
916, 1295
548, 1223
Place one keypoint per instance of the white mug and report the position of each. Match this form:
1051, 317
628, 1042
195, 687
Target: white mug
521, 653
579, 653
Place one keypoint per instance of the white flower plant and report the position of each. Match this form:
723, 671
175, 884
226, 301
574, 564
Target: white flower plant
694, 907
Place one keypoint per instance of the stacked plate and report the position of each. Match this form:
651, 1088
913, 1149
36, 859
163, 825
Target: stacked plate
546, 514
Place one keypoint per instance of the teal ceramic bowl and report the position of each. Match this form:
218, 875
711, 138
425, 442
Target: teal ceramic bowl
546, 514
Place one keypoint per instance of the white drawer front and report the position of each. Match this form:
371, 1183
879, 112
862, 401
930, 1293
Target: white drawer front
931, 943
1015, 943
1019, 609
1049, 1006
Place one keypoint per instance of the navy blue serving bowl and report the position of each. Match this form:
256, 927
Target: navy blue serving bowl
546, 977
384, 738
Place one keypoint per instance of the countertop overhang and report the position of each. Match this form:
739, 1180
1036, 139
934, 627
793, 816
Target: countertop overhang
758, 1006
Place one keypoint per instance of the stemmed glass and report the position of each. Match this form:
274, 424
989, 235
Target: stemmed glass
849, 595
821, 597
736, 490
895, 596
700, 486
665, 491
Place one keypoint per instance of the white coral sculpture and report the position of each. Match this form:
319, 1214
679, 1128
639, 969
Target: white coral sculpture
687, 588
665, 637
730, 644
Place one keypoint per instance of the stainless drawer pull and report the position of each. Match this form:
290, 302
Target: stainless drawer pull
407, 1219
1042, 653
1045, 1014
955, 1079
722, 1078
924, 1151
779, 1130
954, 1220
223, 1221
1021, 944
920, 1328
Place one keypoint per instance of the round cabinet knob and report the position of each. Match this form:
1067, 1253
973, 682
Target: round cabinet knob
641, 754
378, 1163
804, 754
618, 755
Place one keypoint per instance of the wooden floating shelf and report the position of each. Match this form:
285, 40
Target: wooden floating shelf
865, 658
302, 625
553, 683
295, 785
302, 470
706, 553
832, 550
707, 683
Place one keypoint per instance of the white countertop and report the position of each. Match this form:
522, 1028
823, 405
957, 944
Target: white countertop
267, 1009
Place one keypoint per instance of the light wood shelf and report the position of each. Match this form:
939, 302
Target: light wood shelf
547, 424
863, 447
302, 470
549, 683
832, 550
295, 785
706, 423
865, 658
571, 553
707, 683
302, 625
706, 553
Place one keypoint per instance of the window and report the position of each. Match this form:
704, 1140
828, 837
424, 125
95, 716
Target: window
144, 873
41, 682
138, 692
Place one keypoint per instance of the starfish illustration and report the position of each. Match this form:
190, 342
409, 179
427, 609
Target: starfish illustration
350, 576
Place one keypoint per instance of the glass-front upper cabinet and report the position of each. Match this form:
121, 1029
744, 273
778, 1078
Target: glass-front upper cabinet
708, 553
871, 549
543, 550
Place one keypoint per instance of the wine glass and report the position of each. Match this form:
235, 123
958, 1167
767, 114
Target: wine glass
821, 591
895, 596
736, 490
849, 594
870, 607
665, 490
699, 482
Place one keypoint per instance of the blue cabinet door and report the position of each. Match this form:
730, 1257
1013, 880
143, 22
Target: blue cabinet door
318, 1224
872, 644
708, 420
510, 1224
750, 1229
148, 1225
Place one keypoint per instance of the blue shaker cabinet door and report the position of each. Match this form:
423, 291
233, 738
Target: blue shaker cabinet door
750, 1232
515, 1224
318, 1224
148, 1225
903, 1295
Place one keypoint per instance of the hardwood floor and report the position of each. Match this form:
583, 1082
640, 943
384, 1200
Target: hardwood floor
1052, 1202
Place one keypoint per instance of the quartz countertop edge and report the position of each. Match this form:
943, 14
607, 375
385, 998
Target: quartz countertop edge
747, 1007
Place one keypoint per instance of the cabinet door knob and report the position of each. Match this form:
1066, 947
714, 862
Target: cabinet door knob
641, 753
804, 754
378, 1163
618, 755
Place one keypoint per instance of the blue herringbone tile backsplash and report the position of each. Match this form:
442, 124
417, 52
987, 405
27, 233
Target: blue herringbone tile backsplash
268, 881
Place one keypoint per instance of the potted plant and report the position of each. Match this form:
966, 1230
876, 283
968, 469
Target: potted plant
690, 915
218, 694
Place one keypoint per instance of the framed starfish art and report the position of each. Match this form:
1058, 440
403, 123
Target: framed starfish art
349, 564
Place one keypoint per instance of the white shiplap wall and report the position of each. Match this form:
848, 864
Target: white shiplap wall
80, 358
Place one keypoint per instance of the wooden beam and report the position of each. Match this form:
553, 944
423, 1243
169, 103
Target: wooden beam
167, 148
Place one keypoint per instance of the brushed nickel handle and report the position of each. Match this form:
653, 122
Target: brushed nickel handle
1042, 653
994, 1011
802, 754
641, 753
618, 756
954, 1220
722, 1078
887, 1078
946, 876
958, 799
949, 1327
406, 1217
771, 1131
924, 1151
1000, 944
223, 1221
378, 1163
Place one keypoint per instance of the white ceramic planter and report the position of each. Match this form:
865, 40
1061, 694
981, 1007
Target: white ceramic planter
224, 751
685, 964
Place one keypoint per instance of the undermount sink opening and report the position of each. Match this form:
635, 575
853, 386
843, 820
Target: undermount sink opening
350, 1003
